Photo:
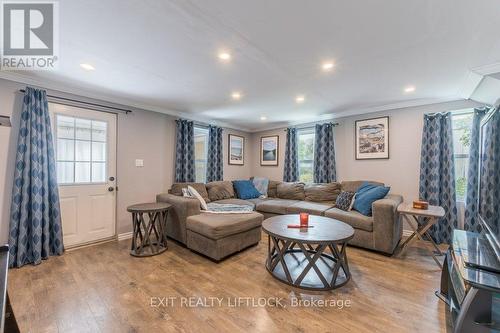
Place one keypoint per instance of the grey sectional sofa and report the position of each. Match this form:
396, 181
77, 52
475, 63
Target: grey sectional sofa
218, 236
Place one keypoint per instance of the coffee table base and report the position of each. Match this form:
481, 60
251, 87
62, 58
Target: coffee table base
308, 266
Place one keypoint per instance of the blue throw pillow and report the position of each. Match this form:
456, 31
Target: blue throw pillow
245, 189
366, 195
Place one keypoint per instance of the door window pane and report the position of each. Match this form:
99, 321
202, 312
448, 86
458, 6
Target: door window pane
82, 172
82, 129
98, 172
82, 151
99, 131
65, 172
98, 151
65, 150
65, 127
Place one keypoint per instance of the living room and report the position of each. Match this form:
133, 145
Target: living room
326, 181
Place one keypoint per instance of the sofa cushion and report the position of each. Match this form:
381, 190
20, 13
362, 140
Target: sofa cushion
199, 187
272, 189
217, 226
276, 206
353, 218
353, 185
314, 208
245, 189
220, 190
366, 195
291, 191
257, 200
322, 192
261, 184
235, 201
345, 200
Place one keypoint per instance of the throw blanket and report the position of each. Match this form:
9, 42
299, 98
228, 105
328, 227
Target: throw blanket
217, 208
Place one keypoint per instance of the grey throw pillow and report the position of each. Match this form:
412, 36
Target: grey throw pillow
345, 200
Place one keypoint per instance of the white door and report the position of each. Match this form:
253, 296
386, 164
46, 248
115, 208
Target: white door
85, 152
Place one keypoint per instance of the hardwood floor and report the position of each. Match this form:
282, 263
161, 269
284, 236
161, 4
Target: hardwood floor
104, 289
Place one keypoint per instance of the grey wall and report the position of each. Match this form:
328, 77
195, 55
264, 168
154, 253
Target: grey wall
141, 135
400, 171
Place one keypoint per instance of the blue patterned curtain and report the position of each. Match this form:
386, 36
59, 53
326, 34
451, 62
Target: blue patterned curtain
35, 224
437, 174
215, 160
291, 168
471, 222
324, 154
184, 151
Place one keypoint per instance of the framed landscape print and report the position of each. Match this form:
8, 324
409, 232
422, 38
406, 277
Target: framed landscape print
269, 150
372, 138
236, 149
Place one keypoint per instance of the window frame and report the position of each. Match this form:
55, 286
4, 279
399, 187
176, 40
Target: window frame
198, 128
301, 132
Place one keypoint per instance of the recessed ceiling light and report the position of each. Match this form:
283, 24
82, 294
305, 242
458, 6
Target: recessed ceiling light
224, 56
87, 67
327, 66
263, 118
410, 89
236, 95
300, 99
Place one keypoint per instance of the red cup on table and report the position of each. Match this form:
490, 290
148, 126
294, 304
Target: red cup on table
304, 219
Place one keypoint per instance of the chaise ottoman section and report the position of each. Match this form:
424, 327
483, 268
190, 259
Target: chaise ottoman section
220, 235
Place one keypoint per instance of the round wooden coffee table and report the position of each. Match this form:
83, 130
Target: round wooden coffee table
313, 258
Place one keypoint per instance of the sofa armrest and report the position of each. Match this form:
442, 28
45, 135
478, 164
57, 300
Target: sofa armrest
181, 208
387, 228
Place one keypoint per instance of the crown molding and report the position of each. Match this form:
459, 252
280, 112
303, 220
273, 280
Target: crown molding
118, 102
359, 111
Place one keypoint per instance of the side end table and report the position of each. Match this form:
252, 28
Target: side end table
429, 217
149, 237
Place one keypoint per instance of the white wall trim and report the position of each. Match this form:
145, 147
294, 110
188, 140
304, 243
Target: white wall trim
124, 236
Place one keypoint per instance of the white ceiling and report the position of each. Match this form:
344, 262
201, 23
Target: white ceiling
162, 55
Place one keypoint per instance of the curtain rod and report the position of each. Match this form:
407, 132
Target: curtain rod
70, 100
312, 126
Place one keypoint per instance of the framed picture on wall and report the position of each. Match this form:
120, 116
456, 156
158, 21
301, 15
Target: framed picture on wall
372, 138
269, 150
236, 149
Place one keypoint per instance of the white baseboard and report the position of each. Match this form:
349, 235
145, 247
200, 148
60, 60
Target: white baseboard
125, 235
406, 232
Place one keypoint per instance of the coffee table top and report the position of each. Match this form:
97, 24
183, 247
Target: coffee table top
324, 229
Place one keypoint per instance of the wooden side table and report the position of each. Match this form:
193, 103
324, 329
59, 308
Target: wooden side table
149, 237
421, 227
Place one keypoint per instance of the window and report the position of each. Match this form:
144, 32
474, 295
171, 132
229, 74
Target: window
200, 153
306, 154
461, 125
81, 155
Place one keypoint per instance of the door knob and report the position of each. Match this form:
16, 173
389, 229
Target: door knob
111, 189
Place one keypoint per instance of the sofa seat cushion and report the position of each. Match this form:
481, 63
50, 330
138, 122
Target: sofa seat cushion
257, 200
314, 208
235, 201
353, 218
276, 206
217, 226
